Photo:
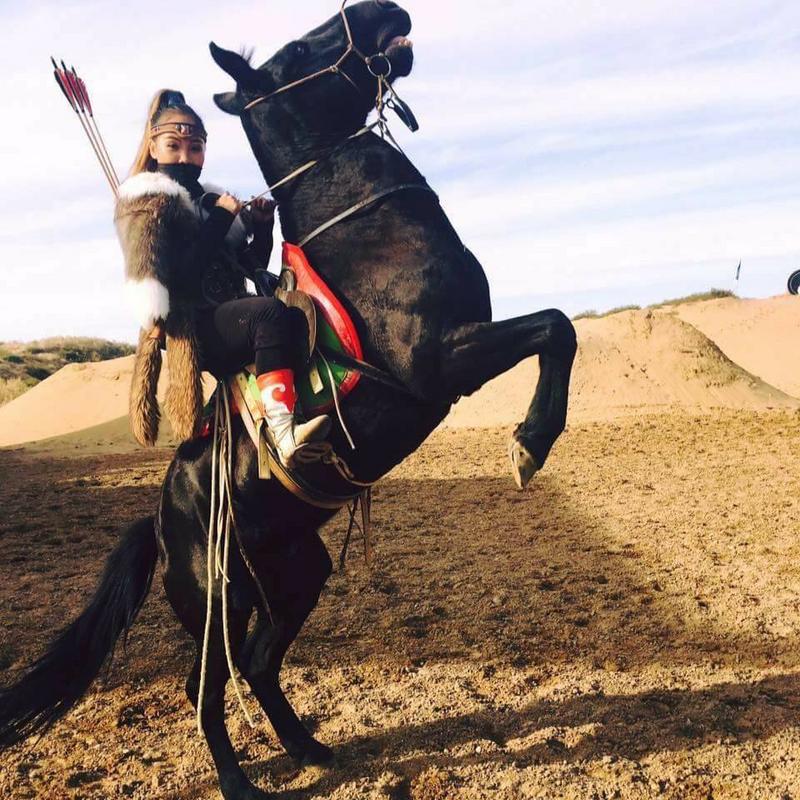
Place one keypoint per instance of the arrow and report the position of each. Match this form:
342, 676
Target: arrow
87, 106
74, 91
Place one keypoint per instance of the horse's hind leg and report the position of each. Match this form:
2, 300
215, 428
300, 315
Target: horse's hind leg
474, 354
297, 580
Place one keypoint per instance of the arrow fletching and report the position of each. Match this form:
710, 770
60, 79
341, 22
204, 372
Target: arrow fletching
85, 95
81, 87
64, 84
73, 86
64, 89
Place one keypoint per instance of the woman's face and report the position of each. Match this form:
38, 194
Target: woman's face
169, 148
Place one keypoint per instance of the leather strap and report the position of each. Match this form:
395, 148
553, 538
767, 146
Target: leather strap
367, 370
362, 204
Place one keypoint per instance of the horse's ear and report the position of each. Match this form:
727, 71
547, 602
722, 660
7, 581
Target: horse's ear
237, 67
229, 102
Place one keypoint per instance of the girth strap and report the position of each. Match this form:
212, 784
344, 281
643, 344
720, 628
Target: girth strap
362, 204
367, 370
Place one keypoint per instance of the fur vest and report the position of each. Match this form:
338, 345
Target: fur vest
158, 225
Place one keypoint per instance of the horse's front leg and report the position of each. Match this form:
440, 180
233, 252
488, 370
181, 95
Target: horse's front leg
475, 353
295, 583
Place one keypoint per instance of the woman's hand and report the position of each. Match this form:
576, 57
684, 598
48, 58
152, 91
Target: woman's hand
262, 211
229, 203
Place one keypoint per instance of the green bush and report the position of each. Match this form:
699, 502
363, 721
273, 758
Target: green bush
39, 373
37, 360
620, 309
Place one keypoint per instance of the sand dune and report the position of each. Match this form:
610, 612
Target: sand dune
648, 359
78, 396
640, 361
760, 335
726, 353
77, 399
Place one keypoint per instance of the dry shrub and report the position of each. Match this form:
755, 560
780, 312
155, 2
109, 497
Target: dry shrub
11, 388
697, 297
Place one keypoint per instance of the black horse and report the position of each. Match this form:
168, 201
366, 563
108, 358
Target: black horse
420, 301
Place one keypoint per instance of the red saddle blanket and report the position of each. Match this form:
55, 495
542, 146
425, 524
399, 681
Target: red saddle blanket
335, 330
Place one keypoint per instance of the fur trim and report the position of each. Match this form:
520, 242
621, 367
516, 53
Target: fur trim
146, 183
148, 299
143, 412
184, 401
155, 232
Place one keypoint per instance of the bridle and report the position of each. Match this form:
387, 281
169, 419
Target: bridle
380, 67
334, 69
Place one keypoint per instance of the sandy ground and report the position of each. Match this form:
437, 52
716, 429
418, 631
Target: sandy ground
628, 628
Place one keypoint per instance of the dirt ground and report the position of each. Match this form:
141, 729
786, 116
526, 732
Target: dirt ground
628, 628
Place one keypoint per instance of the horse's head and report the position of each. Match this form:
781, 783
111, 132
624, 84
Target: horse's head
330, 102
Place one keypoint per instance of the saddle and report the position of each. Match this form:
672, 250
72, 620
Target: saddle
321, 478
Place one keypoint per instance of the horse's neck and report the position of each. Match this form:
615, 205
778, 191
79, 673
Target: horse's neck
351, 173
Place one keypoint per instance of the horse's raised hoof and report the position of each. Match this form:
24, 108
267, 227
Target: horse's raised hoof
523, 465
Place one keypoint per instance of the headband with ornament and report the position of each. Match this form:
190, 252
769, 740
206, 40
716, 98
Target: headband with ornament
186, 130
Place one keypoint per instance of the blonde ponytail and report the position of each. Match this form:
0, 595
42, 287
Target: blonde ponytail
163, 100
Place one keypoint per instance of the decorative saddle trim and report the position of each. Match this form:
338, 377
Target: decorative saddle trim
335, 332
335, 368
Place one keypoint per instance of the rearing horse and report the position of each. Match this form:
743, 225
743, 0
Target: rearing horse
420, 302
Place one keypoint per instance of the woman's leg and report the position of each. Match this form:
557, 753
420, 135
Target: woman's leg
260, 329
236, 332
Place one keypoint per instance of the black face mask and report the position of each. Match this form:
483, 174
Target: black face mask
186, 175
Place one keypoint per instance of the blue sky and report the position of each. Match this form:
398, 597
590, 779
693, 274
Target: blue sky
590, 154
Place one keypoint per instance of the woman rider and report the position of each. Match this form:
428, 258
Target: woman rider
188, 248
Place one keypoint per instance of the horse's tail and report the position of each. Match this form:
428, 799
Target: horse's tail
58, 680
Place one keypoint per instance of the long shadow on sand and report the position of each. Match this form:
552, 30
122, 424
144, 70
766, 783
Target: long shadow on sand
466, 570
619, 727
472, 569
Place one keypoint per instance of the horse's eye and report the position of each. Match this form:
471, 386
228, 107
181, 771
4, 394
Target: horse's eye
300, 49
